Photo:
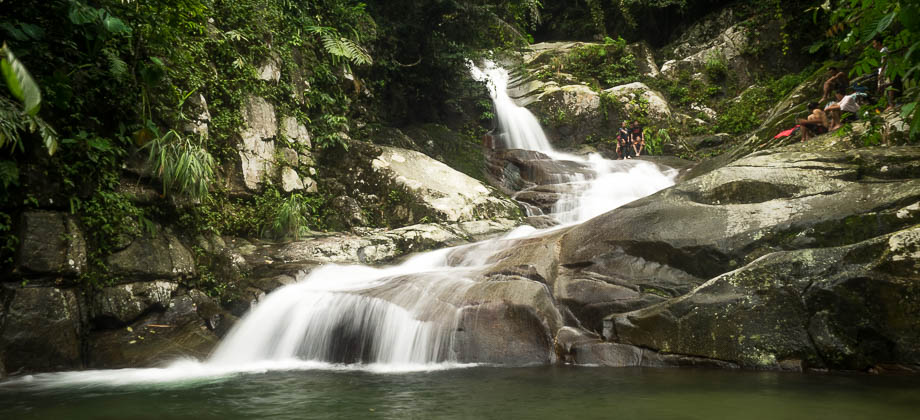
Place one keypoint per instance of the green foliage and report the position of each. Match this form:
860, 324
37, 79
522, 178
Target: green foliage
341, 47
14, 124
292, 219
745, 113
270, 214
655, 140
21, 85
183, 167
20, 82
111, 221
715, 66
896, 25
606, 65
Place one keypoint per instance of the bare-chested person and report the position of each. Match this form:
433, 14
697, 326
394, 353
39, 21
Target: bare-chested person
837, 80
815, 124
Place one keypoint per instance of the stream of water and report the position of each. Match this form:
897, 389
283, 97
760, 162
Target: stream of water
330, 345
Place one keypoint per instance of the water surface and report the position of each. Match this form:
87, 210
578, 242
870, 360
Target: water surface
555, 392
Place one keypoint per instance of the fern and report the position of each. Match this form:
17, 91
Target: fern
117, 67
341, 47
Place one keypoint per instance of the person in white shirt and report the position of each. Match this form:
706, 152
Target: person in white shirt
884, 82
845, 103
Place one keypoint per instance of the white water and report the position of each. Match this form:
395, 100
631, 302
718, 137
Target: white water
392, 319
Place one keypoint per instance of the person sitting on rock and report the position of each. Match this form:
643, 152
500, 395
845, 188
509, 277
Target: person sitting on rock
815, 124
637, 138
622, 140
845, 103
837, 80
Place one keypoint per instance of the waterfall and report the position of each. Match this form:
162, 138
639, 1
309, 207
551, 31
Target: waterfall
406, 315
518, 127
398, 318
611, 183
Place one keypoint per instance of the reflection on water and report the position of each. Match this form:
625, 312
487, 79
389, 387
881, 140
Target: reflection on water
481, 392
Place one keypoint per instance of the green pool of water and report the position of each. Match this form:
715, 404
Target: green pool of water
481, 393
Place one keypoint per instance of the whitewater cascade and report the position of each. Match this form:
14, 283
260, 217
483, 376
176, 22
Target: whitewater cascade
399, 318
406, 315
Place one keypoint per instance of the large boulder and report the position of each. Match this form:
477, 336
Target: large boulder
398, 187
727, 46
783, 226
636, 96
257, 146
122, 304
446, 195
849, 307
51, 244
152, 256
40, 329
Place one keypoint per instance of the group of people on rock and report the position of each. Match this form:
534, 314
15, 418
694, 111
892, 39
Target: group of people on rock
845, 99
630, 140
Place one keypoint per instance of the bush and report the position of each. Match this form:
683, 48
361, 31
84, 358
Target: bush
715, 66
610, 64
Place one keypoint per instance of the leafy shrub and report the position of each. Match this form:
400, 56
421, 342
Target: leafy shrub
655, 140
183, 167
609, 64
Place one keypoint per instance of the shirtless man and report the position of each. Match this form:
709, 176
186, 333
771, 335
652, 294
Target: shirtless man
837, 80
637, 137
815, 124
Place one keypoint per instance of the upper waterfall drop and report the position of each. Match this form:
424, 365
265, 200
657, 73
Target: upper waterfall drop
519, 128
605, 185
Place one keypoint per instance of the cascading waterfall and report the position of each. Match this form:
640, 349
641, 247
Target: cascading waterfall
398, 318
406, 315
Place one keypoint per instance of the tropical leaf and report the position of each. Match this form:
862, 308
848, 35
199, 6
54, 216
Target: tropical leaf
81, 14
115, 25
20, 82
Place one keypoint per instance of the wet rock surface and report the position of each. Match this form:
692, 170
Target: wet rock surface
782, 260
